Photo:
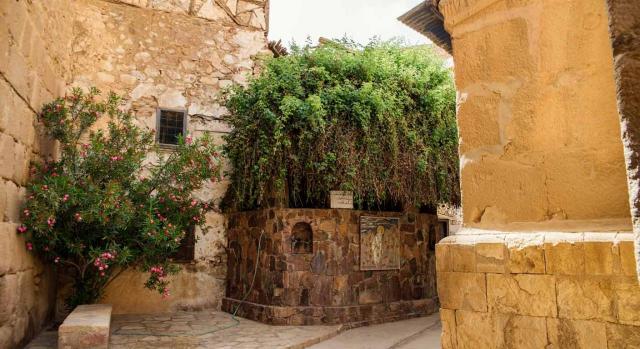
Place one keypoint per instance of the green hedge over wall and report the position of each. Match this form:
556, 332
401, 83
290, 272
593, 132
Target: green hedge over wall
377, 120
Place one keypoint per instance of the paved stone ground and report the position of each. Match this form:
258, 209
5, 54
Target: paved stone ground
419, 333
210, 329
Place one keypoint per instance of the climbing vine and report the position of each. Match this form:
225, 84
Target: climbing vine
377, 120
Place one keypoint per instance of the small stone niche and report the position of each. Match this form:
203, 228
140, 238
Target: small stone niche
301, 238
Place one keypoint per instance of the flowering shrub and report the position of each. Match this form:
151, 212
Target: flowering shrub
101, 207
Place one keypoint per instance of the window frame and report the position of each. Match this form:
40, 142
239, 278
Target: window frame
185, 121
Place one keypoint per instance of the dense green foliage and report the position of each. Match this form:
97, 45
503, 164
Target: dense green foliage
101, 207
376, 120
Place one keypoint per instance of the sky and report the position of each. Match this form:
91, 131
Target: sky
359, 19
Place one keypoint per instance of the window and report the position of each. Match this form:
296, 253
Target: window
171, 124
444, 229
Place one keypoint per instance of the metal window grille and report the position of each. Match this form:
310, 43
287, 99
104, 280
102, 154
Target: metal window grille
171, 124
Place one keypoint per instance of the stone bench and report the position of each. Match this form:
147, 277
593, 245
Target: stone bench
87, 326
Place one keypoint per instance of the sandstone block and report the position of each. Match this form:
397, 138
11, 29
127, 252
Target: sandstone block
475, 330
599, 258
565, 258
623, 336
462, 291
448, 335
444, 258
15, 256
86, 327
527, 260
491, 257
463, 258
520, 332
578, 334
7, 146
14, 201
627, 293
627, 258
522, 294
586, 298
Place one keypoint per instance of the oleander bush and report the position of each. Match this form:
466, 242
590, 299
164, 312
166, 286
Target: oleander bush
377, 120
102, 206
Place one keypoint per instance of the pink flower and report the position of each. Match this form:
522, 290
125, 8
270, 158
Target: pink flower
56, 260
26, 212
165, 293
114, 158
46, 248
77, 217
45, 187
188, 139
51, 221
65, 198
85, 146
29, 246
22, 229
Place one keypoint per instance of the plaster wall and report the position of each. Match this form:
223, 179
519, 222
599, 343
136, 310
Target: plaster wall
35, 41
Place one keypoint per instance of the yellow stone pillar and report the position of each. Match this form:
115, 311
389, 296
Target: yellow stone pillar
546, 253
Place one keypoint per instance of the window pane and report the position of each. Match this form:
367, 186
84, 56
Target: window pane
171, 126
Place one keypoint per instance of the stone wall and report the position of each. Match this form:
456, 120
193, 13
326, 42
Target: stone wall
538, 290
539, 133
179, 55
545, 257
35, 40
624, 28
327, 285
156, 53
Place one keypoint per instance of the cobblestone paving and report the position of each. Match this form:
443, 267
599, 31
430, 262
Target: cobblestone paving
202, 330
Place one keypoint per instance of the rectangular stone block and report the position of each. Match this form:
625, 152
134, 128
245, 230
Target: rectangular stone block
578, 334
520, 332
448, 335
463, 258
522, 294
623, 336
565, 258
586, 298
475, 330
526, 260
491, 257
87, 326
627, 258
462, 291
627, 297
598, 258
444, 259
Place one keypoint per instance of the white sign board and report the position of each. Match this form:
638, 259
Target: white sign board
341, 199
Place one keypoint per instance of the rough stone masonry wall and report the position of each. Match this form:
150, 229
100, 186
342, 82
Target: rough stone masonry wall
327, 285
624, 28
171, 54
156, 53
545, 258
35, 41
